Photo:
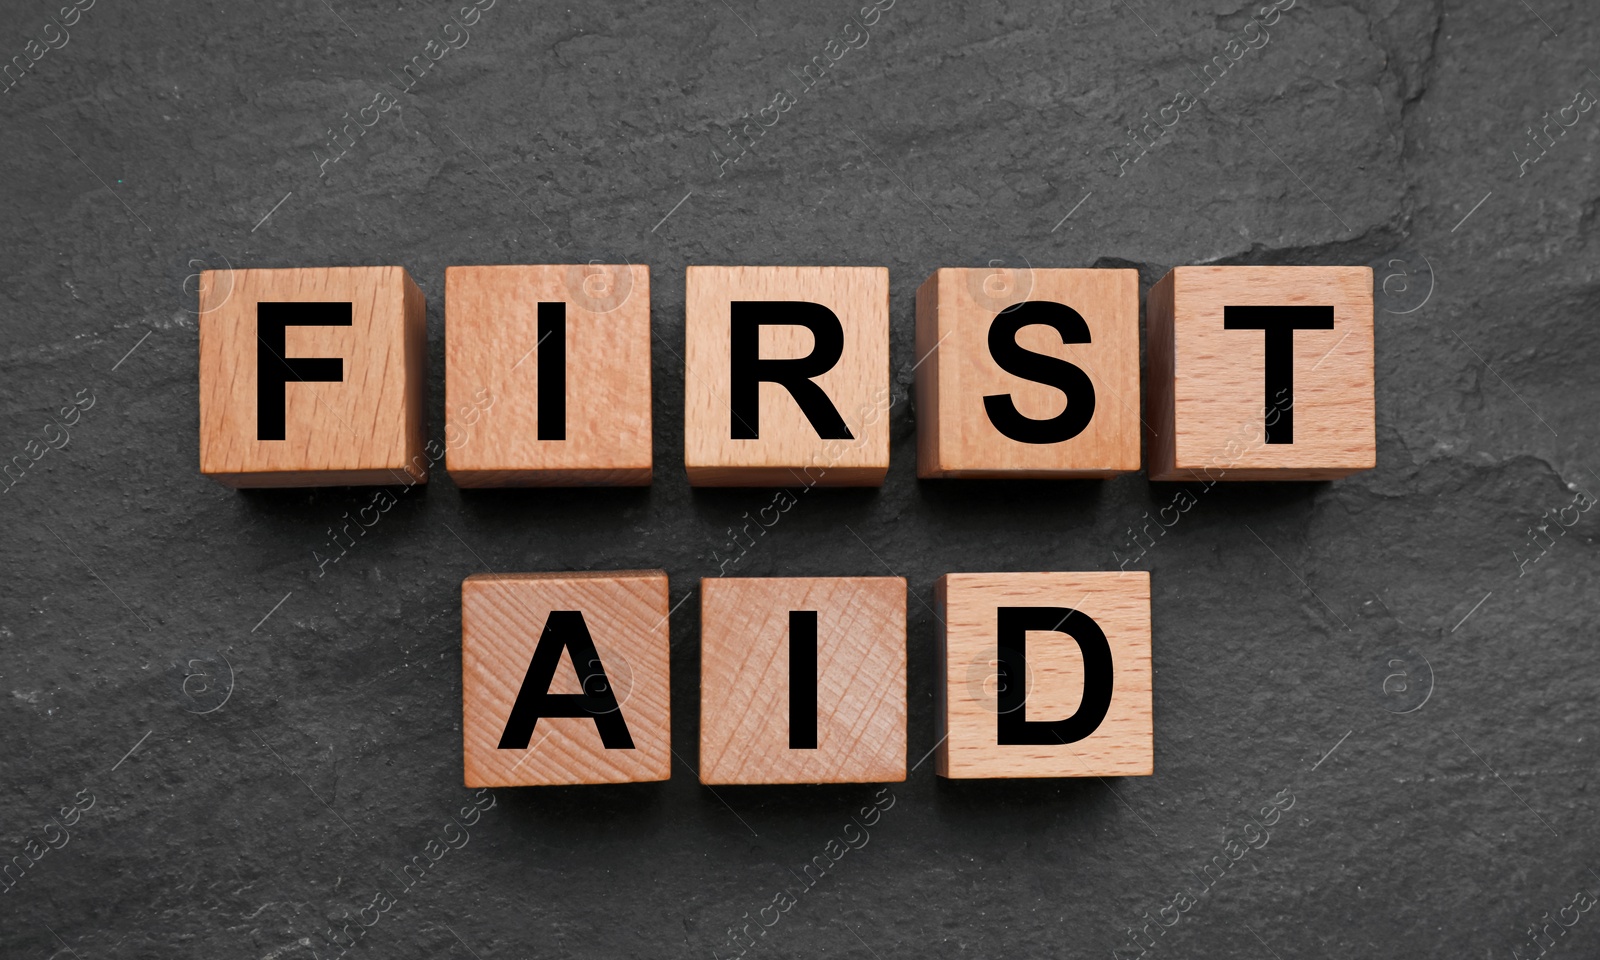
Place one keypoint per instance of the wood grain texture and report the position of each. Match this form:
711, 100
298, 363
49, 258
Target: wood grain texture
366, 429
788, 451
967, 699
1158, 379
502, 616
1206, 402
861, 680
955, 437
491, 376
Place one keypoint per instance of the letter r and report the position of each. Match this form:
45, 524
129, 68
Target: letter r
746, 369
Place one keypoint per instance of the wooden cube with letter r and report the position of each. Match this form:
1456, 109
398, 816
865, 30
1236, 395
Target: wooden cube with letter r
312, 377
1044, 675
564, 678
786, 376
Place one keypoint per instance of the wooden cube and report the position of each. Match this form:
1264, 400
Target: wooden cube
1261, 373
1044, 675
787, 378
803, 680
564, 678
312, 377
1027, 373
547, 375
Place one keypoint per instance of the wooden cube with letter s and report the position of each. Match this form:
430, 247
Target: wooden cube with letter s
564, 678
1025, 373
786, 376
1044, 675
312, 377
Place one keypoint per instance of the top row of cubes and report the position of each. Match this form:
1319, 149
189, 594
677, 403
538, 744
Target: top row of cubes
316, 376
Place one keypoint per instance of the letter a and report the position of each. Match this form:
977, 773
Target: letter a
566, 630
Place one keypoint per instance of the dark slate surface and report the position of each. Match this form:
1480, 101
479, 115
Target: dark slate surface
154, 140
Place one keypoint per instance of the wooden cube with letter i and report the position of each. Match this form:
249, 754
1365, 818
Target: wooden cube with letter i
1044, 675
547, 375
802, 680
1261, 373
564, 678
1027, 373
786, 376
312, 377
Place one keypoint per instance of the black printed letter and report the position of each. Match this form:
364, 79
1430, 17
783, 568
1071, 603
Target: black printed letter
565, 630
802, 679
1280, 323
552, 371
746, 369
1038, 367
273, 369
1012, 626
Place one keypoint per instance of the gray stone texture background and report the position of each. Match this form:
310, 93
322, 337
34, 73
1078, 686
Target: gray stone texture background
267, 744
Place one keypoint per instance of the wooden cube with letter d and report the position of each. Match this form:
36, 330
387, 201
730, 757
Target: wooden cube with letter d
1044, 675
564, 678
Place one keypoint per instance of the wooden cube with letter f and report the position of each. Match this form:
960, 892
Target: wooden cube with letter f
312, 377
1044, 675
564, 678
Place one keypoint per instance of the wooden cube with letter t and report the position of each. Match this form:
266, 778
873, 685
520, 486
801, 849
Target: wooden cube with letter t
787, 376
547, 375
312, 377
564, 678
1027, 373
802, 680
1261, 373
1044, 675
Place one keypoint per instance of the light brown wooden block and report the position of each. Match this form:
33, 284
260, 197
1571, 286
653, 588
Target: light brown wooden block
721, 401
749, 723
507, 619
367, 427
1057, 679
1216, 411
595, 429
959, 377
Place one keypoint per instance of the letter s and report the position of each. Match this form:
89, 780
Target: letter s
1020, 362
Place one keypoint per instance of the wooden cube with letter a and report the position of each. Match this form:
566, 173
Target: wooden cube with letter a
564, 678
1261, 373
547, 375
1044, 675
1028, 373
803, 680
312, 377
787, 376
